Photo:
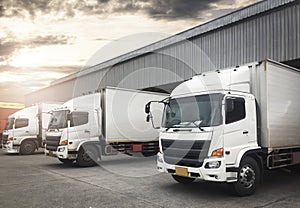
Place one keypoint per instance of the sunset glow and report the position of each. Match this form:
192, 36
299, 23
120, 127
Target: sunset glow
40, 43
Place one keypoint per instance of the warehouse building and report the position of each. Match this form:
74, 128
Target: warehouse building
268, 29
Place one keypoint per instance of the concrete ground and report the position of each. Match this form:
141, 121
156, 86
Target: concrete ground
122, 181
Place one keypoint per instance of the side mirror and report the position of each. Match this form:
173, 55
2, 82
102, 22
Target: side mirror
147, 108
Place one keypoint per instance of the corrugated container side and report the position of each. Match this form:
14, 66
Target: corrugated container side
125, 118
283, 106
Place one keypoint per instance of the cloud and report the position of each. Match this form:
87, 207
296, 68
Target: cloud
49, 69
8, 48
172, 9
10, 45
15, 82
12, 92
48, 40
104, 39
156, 9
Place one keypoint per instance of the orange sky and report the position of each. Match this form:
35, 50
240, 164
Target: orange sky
43, 40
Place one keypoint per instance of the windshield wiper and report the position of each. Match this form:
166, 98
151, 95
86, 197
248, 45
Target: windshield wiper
198, 125
185, 125
175, 130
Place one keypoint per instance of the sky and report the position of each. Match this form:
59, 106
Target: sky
44, 40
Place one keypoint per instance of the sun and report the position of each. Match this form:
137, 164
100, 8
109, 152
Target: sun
26, 57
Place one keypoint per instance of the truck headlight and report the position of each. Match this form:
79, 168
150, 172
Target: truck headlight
61, 149
159, 158
213, 164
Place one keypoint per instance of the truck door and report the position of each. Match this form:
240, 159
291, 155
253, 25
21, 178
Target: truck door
236, 130
79, 122
22, 127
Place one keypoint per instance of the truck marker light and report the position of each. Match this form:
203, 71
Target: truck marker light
137, 147
217, 152
10, 138
64, 142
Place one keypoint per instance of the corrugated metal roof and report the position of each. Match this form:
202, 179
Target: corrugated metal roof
233, 17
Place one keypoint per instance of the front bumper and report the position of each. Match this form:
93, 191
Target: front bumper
62, 152
208, 174
11, 148
50, 153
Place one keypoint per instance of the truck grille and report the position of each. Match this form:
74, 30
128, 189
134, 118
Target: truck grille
52, 142
185, 152
4, 139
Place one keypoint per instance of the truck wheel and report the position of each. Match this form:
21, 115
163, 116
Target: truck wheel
248, 177
27, 147
182, 179
84, 157
66, 161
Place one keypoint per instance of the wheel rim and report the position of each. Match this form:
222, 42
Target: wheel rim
247, 176
28, 148
86, 156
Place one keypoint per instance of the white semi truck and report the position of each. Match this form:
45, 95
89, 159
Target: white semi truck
230, 125
25, 129
104, 123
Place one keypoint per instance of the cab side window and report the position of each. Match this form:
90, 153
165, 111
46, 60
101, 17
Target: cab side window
235, 109
79, 118
21, 122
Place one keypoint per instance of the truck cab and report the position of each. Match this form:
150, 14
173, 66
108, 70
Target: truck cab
22, 131
105, 123
209, 127
203, 134
71, 125
25, 130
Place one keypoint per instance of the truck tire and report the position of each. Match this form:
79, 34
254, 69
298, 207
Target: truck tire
182, 179
248, 177
84, 157
66, 161
27, 147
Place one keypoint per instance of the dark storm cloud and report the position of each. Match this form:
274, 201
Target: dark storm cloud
156, 9
49, 40
8, 46
168, 9
17, 7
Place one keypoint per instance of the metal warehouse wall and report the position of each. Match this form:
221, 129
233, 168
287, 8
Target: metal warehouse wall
273, 34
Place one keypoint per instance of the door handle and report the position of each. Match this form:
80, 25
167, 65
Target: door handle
245, 132
86, 131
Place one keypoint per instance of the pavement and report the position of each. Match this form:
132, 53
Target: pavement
123, 181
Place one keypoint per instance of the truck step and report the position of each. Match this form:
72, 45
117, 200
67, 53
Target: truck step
278, 160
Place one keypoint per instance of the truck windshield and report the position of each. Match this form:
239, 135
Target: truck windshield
193, 112
58, 119
9, 123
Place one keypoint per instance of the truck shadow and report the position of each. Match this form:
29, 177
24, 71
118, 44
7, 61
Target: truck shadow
281, 179
205, 189
59, 165
19, 155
